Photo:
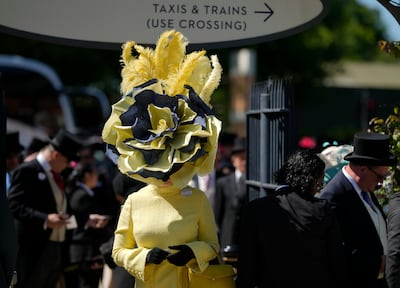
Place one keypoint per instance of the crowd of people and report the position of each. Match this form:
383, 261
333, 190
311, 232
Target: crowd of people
170, 197
305, 234
60, 185
337, 236
63, 211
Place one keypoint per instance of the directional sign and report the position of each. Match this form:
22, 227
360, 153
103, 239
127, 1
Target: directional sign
206, 23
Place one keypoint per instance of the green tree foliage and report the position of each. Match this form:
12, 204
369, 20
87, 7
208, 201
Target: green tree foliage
389, 126
349, 31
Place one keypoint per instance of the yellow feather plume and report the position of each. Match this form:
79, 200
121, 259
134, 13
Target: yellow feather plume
170, 50
200, 74
144, 65
176, 84
161, 54
169, 64
176, 52
127, 51
136, 70
213, 80
127, 72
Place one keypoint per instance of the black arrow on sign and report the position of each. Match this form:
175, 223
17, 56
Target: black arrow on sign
269, 12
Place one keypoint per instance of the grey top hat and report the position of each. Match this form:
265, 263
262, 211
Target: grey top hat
239, 145
67, 144
371, 149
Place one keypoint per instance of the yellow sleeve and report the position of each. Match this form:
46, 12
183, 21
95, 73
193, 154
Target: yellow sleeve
125, 253
207, 247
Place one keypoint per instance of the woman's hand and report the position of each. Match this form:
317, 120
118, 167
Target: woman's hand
97, 221
183, 256
156, 255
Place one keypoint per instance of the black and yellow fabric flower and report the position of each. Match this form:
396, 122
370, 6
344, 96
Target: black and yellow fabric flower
163, 128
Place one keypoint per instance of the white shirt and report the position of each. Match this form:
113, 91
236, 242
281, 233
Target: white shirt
57, 235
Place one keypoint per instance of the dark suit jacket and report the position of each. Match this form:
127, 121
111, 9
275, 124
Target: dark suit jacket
393, 257
31, 199
85, 240
289, 241
363, 247
229, 200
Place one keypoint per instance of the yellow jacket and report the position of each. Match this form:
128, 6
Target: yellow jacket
161, 217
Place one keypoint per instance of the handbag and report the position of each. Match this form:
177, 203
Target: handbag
215, 276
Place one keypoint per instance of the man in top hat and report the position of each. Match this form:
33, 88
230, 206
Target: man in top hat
41, 211
362, 221
230, 197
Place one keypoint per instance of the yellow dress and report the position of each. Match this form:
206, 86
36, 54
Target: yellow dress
161, 217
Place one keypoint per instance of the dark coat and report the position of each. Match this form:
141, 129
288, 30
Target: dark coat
393, 257
289, 241
31, 200
363, 248
85, 240
229, 200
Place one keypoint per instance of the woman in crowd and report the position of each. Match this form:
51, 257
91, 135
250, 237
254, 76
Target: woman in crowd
290, 238
92, 230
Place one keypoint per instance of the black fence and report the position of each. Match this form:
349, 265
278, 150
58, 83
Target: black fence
270, 132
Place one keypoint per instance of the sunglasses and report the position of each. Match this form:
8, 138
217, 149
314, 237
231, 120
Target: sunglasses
378, 176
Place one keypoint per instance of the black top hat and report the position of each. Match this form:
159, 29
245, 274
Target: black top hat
67, 144
35, 145
239, 145
371, 149
12, 143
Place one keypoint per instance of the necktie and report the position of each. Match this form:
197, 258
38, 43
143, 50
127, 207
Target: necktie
57, 178
366, 198
241, 181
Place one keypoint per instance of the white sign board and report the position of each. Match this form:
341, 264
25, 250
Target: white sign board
206, 23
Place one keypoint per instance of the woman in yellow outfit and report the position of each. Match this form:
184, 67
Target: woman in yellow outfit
163, 132
162, 217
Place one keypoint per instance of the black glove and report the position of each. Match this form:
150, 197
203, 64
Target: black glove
156, 255
106, 251
181, 257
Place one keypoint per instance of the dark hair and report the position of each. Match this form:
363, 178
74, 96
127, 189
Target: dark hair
301, 171
124, 185
78, 173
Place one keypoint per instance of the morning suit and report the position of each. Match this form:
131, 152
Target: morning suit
230, 197
363, 247
31, 200
288, 240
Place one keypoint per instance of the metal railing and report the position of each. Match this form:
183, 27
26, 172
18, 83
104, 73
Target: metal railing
270, 133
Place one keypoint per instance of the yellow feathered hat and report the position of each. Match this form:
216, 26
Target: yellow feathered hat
163, 128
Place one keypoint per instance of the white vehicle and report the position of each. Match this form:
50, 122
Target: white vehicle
37, 103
